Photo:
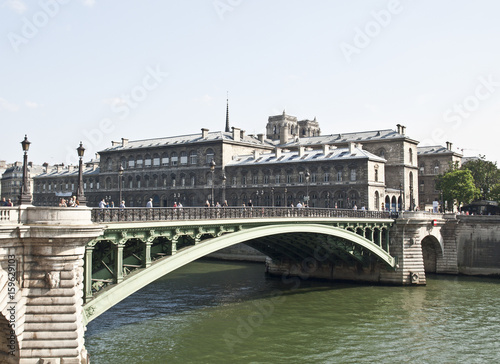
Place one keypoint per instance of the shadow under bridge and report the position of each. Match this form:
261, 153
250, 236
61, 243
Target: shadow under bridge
159, 248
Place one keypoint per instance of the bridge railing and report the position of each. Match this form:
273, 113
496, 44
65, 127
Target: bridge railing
212, 213
9, 215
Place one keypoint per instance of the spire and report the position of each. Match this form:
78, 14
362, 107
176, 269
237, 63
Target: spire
227, 114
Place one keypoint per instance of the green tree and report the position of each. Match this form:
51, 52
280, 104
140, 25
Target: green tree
458, 186
486, 175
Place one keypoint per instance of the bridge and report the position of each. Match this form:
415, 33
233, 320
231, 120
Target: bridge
62, 267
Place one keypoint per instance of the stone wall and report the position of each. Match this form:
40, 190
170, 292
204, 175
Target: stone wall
477, 240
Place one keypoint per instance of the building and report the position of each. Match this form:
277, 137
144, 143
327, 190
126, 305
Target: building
432, 162
292, 163
12, 179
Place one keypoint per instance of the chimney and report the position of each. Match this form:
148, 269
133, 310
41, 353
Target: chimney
60, 168
326, 149
204, 133
256, 154
352, 146
301, 150
261, 137
359, 146
115, 144
403, 129
451, 146
124, 142
236, 134
398, 128
70, 168
242, 134
277, 151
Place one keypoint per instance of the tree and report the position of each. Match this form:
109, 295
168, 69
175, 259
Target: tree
458, 186
486, 175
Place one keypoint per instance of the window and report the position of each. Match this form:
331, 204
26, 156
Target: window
165, 161
313, 177
156, 160
301, 177
422, 169
255, 179
183, 181
193, 158
139, 162
411, 156
147, 160
339, 176
266, 179
353, 174
233, 181
131, 163
376, 174
210, 155
436, 169
288, 178
193, 181
326, 177
138, 182
174, 159
184, 159
244, 180
277, 179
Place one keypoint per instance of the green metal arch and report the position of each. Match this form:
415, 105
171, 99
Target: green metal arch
114, 294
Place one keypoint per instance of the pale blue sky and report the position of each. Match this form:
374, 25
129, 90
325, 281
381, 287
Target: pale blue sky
68, 67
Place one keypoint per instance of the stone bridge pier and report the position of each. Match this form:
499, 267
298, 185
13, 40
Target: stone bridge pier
41, 272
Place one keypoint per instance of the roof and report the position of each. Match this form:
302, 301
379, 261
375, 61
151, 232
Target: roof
308, 156
434, 149
65, 172
364, 136
187, 139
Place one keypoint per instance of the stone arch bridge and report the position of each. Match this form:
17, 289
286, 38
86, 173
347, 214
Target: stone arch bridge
62, 267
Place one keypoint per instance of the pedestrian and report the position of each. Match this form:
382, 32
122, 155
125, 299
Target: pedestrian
102, 204
225, 203
122, 205
4, 202
250, 204
207, 204
149, 203
62, 203
9, 203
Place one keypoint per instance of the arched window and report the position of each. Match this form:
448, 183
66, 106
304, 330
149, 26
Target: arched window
184, 158
411, 155
131, 162
193, 158
147, 160
138, 181
174, 159
377, 200
165, 161
376, 173
139, 161
156, 160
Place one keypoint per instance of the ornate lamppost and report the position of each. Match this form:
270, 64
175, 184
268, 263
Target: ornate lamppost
25, 197
79, 193
120, 183
212, 169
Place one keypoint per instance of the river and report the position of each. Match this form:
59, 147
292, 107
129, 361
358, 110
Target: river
225, 312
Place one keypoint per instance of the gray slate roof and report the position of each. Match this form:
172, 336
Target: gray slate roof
187, 139
308, 156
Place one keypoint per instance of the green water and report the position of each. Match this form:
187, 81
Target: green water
210, 312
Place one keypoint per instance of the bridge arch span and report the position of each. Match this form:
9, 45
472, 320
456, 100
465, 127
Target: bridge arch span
112, 295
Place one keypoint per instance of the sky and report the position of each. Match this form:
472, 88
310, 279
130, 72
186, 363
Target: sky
100, 70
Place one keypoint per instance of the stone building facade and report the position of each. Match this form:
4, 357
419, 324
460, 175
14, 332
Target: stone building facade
292, 163
12, 178
433, 161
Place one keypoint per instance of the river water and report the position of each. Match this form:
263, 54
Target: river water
214, 312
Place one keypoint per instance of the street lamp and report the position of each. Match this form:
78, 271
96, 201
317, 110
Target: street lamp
212, 169
307, 187
286, 202
25, 197
272, 196
120, 182
79, 193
